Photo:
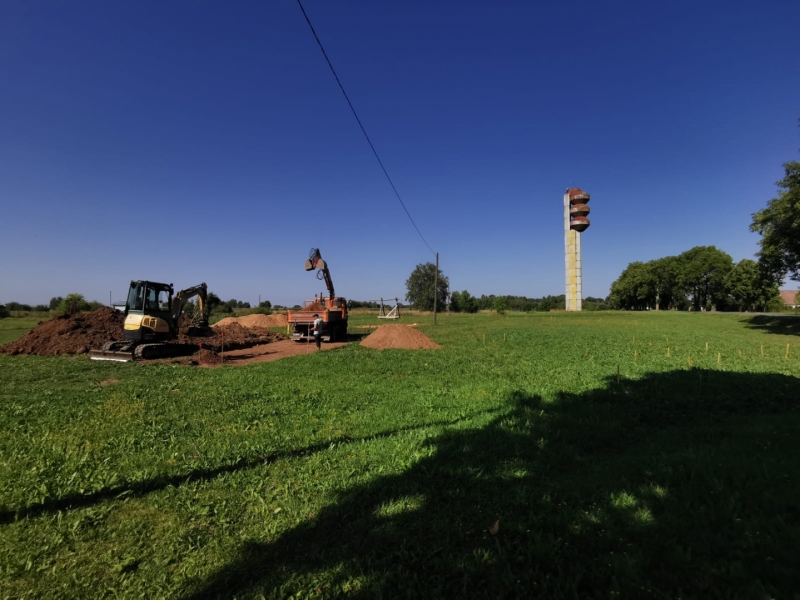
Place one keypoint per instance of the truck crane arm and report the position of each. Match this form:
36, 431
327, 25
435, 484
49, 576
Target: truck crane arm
315, 262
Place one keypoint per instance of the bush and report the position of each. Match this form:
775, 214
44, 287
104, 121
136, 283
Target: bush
81, 305
258, 310
4, 314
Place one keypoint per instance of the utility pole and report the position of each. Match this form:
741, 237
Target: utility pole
435, 288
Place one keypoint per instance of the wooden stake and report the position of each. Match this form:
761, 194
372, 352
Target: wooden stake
719, 358
634, 339
635, 355
762, 350
787, 352
667, 350
740, 352
706, 346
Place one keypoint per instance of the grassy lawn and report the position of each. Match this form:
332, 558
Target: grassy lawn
12, 328
555, 455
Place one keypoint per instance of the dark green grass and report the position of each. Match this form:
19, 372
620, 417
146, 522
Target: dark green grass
364, 473
12, 328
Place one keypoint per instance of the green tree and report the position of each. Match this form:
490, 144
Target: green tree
664, 280
54, 302
779, 224
750, 287
463, 302
4, 314
420, 287
80, 303
499, 305
265, 304
701, 276
634, 289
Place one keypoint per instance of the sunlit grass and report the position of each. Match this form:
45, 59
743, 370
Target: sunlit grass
550, 454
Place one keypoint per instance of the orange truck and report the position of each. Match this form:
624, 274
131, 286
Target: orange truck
332, 309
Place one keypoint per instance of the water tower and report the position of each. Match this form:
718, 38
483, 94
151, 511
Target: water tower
575, 222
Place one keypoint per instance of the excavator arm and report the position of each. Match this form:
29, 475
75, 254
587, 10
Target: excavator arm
183, 296
315, 262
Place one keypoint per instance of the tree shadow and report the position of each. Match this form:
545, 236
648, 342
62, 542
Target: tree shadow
780, 324
142, 488
681, 483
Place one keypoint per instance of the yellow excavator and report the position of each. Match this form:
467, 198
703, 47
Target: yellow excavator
152, 319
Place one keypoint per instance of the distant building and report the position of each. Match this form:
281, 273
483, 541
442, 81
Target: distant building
789, 298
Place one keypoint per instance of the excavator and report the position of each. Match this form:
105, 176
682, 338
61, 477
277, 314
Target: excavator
331, 308
152, 320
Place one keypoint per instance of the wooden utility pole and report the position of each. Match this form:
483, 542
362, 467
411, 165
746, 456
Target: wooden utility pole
435, 288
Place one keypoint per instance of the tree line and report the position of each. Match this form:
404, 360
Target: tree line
703, 278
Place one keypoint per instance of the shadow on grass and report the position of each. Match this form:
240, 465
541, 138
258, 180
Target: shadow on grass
781, 324
677, 484
145, 487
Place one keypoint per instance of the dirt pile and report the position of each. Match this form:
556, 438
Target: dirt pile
82, 332
314, 307
398, 336
66, 334
250, 321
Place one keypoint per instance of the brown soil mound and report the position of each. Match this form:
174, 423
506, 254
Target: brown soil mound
66, 334
254, 321
80, 333
398, 336
315, 307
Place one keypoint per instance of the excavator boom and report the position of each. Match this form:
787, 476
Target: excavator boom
315, 262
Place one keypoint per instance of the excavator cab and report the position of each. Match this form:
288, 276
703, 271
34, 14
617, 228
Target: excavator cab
148, 312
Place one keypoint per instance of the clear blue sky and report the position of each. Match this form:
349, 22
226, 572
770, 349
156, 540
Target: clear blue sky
200, 141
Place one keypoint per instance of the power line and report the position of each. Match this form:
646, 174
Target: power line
364, 131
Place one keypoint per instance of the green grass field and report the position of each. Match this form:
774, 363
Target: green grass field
544, 455
15, 327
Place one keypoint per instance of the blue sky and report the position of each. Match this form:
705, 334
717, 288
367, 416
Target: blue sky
201, 141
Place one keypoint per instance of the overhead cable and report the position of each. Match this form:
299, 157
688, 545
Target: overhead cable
364, 131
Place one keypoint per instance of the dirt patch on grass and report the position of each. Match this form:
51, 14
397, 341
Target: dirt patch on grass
398, 336
250, 321
107, 382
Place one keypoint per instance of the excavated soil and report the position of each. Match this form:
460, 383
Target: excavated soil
254, 321
66, 334
82, 332
398, 336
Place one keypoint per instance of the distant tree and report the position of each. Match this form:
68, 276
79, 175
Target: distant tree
4, 312
213, 301
265, 304
41, 308
544, 305
499, 305
420, 287
701, 275
464, 302
232, 303
18, 306
79, 302
634, 289
54, 302
779, 224
750, 287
